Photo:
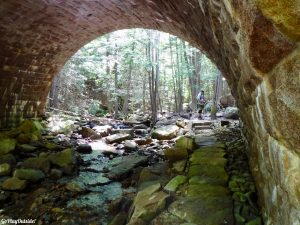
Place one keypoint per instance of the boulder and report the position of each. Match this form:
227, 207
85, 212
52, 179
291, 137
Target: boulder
87, 132
130, 145
165, 133
84, 148
7, 145
123, 166
41, 163
186, 142
30, 126
5, 169
117, 138
103, 131
231, 113
176, 154
65, 160
104, 148
14, 184
181, 123
143, 141
32, 175
175, 183
148, 203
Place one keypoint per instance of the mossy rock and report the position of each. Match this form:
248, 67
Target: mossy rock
7, 145
5, 169
176, 154
30, 126
148, 203
206, 190
29, 174
199, 160
207, 180
65, 159
40, 163
175, 183
209, 152
203, 210
14, 184
207, 170
187, 143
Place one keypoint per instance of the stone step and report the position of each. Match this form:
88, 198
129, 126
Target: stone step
201, 122
202, 127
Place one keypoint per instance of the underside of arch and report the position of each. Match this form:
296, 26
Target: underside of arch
254, 43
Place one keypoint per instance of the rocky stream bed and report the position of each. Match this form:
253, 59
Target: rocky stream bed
102, 171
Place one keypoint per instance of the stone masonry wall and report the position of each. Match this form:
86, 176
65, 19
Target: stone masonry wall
255, 43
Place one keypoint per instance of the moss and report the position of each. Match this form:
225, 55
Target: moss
175, 183
187, 143
7, 145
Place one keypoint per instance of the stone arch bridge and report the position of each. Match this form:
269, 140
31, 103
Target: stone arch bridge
255, 43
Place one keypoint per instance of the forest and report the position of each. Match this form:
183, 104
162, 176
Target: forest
135, 70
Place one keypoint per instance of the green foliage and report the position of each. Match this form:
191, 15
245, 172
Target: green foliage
88, 78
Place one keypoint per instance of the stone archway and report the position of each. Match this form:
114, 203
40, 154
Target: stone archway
254, 43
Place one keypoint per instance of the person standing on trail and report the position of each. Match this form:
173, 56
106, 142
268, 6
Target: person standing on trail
200, 102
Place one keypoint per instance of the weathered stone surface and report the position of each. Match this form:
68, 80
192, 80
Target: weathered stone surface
29, 174
14, 184
165, 132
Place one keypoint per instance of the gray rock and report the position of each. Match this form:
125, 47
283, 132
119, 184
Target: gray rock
85, 149
231, 113
165, 133
130, 145
117, 138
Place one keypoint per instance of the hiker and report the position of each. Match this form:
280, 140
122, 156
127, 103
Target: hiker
200, 103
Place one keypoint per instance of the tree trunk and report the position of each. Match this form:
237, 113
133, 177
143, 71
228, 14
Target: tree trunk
128, 86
